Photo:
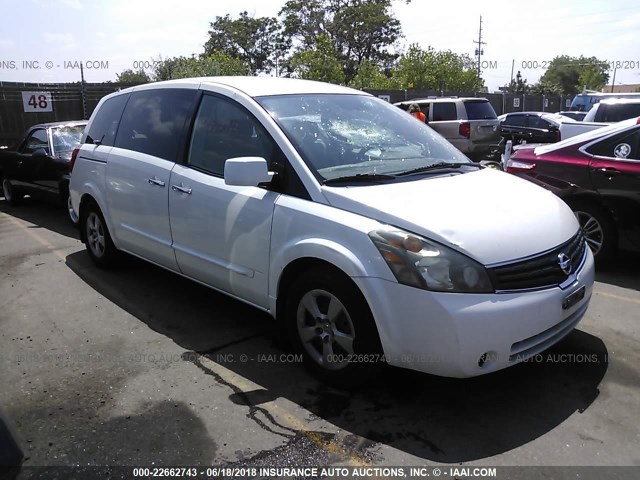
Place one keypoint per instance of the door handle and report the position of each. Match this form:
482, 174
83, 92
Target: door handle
609, 171
155, 181
178, 188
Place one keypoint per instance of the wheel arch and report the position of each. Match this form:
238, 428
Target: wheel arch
296, 268
293, 258
85, 200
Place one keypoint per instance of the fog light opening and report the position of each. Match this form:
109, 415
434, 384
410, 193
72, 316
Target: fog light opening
482, 360
487, 359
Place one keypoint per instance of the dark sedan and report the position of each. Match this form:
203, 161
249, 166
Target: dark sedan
598, 174
39, 165
531, 127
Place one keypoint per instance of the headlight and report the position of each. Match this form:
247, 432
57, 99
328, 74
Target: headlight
422, 263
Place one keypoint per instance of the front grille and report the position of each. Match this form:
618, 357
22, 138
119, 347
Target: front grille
540, 271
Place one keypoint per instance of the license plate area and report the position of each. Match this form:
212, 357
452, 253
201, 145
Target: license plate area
573, 298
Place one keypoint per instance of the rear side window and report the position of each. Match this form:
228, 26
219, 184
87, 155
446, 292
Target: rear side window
444, 111
617, 112
154, 121
105, 123
515, 120
537, 122
480, 111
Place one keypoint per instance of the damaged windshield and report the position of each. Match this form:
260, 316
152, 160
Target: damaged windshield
342, 136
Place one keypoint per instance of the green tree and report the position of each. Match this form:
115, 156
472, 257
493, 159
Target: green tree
321, 63
215, 64
544, 87
256, 41
164, 68
572, 74
131, 76
359, 30
517, 85
371, 76
436, 70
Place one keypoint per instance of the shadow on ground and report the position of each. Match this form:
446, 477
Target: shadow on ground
42, 215
443, 420
624, 270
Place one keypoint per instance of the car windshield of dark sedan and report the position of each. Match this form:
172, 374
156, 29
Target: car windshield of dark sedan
357, 135
66, 138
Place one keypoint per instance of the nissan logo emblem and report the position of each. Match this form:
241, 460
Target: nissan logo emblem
565, 263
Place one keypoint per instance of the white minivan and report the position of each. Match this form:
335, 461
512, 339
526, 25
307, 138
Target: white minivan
361, 229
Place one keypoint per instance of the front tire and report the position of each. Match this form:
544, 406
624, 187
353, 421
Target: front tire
330, 323
11, 194
98, 241
599, 230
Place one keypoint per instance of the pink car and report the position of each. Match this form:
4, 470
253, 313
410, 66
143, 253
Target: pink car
598, 175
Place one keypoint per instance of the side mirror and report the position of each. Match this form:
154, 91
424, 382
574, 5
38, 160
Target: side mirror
246, 171
41, 152
552, 128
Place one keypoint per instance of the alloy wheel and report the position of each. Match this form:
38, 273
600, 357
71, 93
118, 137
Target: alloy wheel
325, 329
592, 230
95, 235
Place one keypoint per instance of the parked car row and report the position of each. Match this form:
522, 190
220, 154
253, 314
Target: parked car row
344, 217
469, 124
598, 174
39, 163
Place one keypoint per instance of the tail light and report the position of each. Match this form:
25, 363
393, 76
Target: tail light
465, 129
72, 161
517, 166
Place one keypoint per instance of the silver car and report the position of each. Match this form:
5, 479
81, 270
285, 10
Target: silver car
469, 123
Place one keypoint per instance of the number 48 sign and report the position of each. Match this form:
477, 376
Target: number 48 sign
37, 102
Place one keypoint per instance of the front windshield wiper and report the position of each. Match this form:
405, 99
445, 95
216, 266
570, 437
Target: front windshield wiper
439, 166
359, 177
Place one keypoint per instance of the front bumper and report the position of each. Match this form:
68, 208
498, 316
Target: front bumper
465, 335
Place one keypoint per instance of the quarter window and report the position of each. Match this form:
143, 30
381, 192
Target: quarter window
224, 130
625, 145
154, 121
478, 110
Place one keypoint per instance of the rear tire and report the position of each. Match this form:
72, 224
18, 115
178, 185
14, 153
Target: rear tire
330, 323
599, 230
11, 194
98, 241
72, 214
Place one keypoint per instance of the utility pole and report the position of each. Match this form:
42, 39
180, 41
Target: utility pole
82, 93
613, 83
479, 50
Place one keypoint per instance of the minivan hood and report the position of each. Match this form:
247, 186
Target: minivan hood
490, 215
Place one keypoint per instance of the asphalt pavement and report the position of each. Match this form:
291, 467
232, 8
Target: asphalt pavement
138, 366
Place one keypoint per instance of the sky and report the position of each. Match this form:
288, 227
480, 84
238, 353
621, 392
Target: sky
44, 40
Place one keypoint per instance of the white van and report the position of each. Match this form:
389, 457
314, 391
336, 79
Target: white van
366, 233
